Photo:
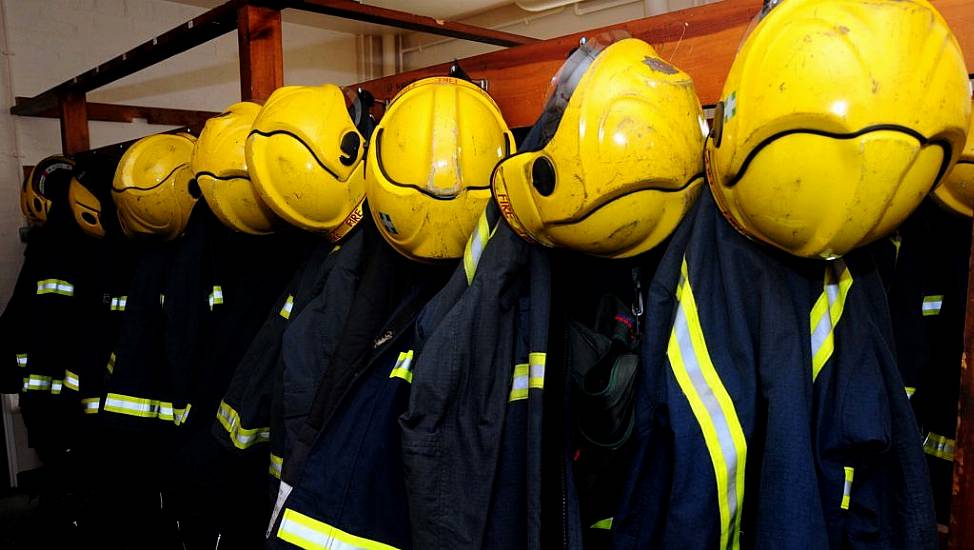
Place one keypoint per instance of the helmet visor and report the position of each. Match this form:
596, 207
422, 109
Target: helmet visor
564, 82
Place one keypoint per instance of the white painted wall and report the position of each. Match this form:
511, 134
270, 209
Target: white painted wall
424, 50
49, 41
45, 42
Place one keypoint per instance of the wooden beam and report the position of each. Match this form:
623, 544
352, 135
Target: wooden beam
702, 41
112, 112
261, 52
74, 122
348, 9
214, 23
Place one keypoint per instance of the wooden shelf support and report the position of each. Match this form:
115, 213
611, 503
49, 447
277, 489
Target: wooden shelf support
73, 111
261, 52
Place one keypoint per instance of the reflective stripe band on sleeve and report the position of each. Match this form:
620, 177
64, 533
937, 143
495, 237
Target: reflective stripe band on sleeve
22, 360
826, 313
311, 534
145, 408
475, 247
216, 296
536, 363
287, 307
932, 304
528, 376
71, 380
56, 386
111, 363
242, 438
162, 300
36, 382
712, 407
602, 524
277, 466
55, 286
519, 385
847, 487
118, 303
404, 367
91, 405
939, 446
910, 390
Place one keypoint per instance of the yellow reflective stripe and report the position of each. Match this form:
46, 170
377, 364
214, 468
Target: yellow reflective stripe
111, 363
118, 303
939, 446
536, 363
288, 306
56, 386
55, 286
91, 405
277, 466
932, 304
475, 247
528, 376
847, 487
242, 438
311, 534
910, 390
36, 382
216, 296
602, 524
71, 380
404, 367
145, 408
21, 360
827, 312
713, 408
520, 382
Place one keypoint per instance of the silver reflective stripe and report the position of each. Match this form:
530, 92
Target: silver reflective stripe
847, 487
216, 296
404, 366
37, 382
682, 332
288, 307
21, 359
241, 437
713, 408
827, 312
939, 446
56, 386
520, 383
55, 286
91, 405
276, 466
146, 408
118, 303
536, 364
308, 533
932, 304
475, 247
71, 380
